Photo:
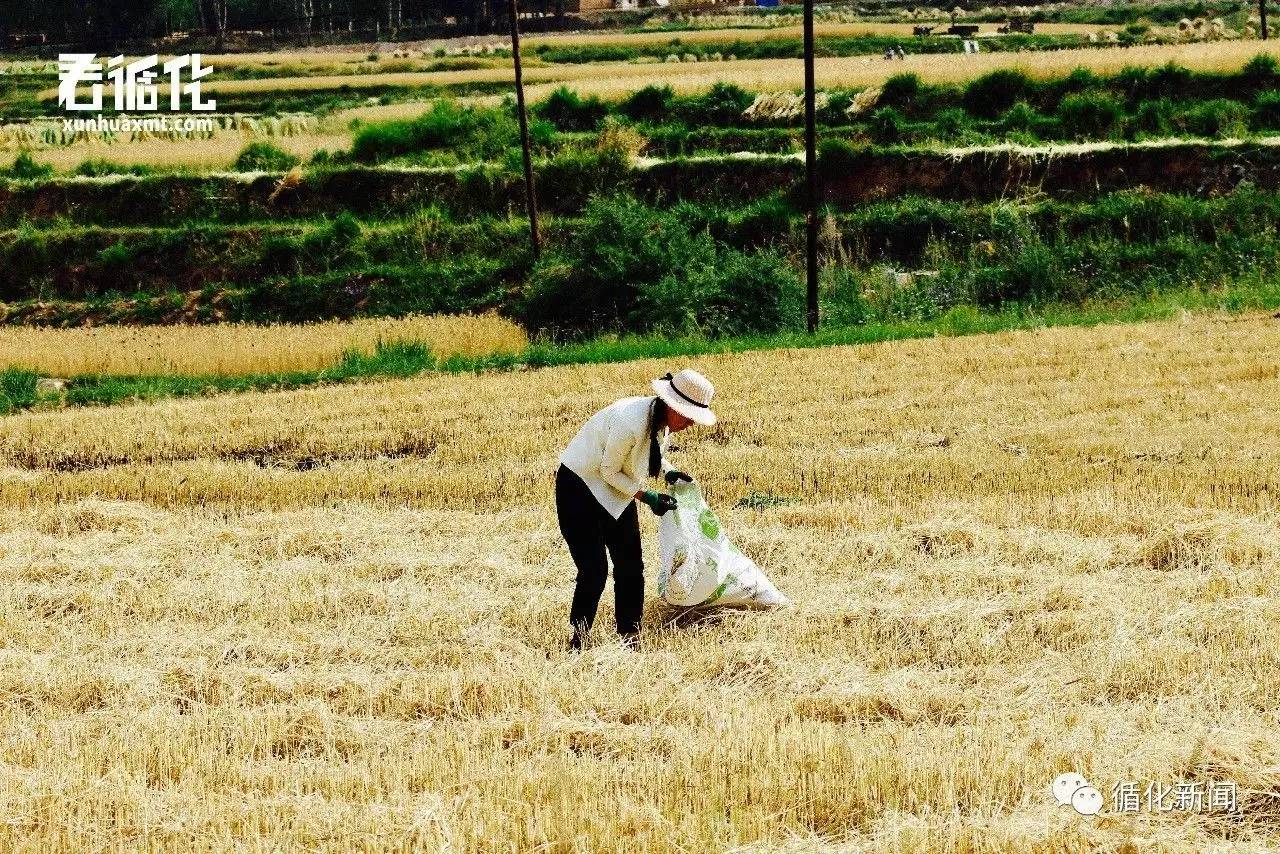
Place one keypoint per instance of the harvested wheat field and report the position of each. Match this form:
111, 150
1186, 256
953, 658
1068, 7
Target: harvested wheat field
332, 619
615, 80
619, 78
219, 152
235, 349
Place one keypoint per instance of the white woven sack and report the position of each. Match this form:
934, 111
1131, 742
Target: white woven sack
698, 563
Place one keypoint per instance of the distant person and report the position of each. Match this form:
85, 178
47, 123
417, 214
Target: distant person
888, 53
602, 474
901, 53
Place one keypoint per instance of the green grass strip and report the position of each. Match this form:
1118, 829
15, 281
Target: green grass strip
18, 387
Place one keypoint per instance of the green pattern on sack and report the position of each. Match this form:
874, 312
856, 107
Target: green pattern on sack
709, 524
724, 585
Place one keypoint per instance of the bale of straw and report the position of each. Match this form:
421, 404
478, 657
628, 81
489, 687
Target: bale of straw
864, 101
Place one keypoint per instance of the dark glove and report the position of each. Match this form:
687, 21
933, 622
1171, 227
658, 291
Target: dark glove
672, 476
659, 502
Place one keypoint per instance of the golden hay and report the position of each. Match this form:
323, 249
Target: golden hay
615, 80
618, 78
236, 349
217, 153
332, 619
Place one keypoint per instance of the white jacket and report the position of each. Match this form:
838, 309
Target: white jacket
611, 452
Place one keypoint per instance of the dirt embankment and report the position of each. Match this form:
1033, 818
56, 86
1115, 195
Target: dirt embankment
1081, 171
849, 177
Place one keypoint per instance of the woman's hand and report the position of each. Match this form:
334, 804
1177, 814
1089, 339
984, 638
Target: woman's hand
672, 476
659, 502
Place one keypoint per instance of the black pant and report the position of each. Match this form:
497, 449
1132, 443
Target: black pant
589, 529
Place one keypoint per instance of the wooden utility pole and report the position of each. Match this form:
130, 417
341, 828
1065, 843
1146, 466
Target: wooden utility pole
531, 198
810, 172
1262, 16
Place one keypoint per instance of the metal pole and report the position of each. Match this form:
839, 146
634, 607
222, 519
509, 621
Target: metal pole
810, 171
1262, 14
531, 198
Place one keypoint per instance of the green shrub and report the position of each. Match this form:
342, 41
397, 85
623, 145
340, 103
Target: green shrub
570, 178
279, 255
1171, 80
114, 267
1217, 118
1079, 80
997, 91
836, 109
904, 92
1133, 83
264, 157
1261, 73
632, 268
723, 104
24, 168
1154, 118
1134, 32
952, 123
458, 285
463, 131
902, 230
568, 111
336, 244
467, 283
651, 104
886, 126
29, 255
1032, 274
17, 389
1266, 110
758, 223
1091, 115
843, 303
1024, 117
728, 293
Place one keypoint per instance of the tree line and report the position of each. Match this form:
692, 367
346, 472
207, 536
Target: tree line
58, 22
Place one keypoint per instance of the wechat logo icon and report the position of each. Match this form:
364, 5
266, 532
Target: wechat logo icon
1073, 789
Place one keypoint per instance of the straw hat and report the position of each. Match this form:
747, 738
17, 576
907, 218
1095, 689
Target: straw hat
688, 393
